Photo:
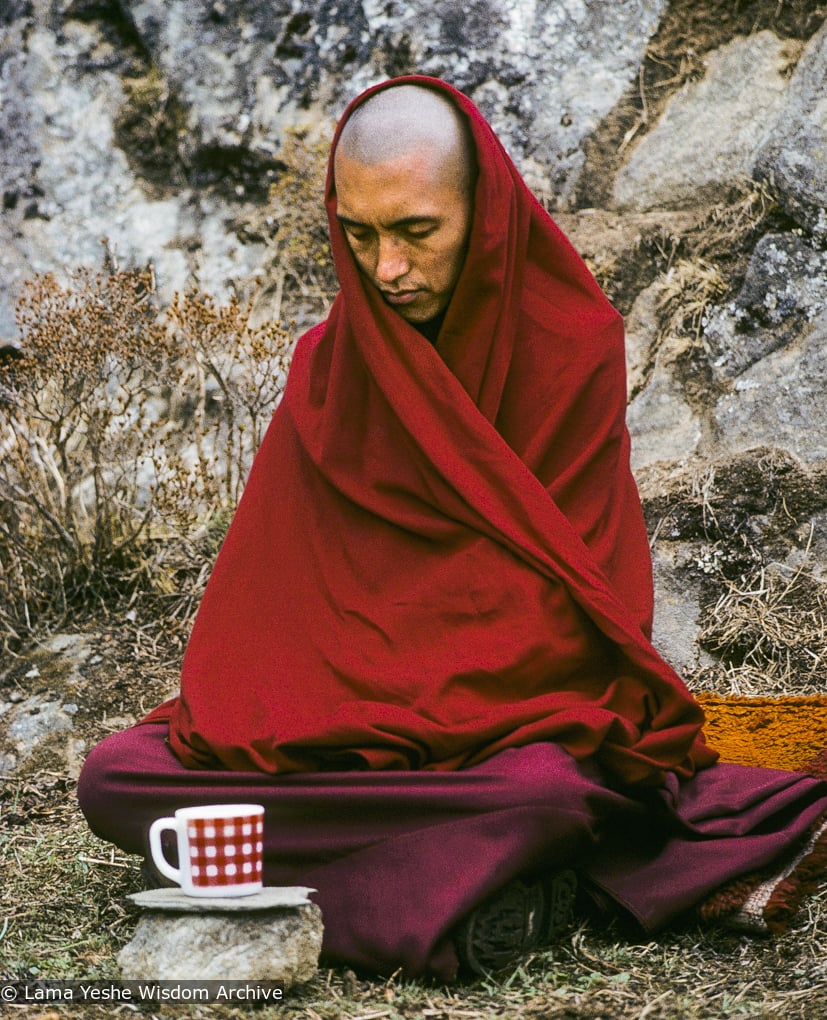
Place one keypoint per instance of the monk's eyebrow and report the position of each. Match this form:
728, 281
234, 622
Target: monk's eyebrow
346, 221
407, 221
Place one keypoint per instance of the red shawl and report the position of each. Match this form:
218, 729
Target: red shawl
440, 552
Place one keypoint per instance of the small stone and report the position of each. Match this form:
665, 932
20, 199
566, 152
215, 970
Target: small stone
35, 719
281, 945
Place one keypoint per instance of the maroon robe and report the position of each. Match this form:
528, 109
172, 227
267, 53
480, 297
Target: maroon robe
425, 644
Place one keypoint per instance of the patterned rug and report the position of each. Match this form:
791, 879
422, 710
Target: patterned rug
782, 733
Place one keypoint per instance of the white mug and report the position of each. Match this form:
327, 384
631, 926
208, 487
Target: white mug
220, 849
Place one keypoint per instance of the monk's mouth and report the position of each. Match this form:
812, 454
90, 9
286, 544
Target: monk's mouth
401, 297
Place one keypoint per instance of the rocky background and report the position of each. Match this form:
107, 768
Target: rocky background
683, 147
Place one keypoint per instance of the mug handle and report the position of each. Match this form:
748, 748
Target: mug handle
156, 851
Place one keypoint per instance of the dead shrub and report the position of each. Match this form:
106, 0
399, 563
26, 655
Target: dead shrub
77, 428
115, 484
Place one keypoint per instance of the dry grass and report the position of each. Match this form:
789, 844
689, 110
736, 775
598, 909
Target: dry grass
760, 495
713, 258
709, 264
770, 633
746, 524
689, 288
66, 918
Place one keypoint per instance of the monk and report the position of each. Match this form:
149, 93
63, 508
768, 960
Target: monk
425, 645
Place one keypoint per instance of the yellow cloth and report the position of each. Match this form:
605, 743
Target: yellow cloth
781, 733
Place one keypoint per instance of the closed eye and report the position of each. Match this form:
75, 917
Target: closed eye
416, 228
356, 234
420, 232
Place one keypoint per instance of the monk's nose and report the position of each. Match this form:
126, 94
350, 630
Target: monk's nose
392, 262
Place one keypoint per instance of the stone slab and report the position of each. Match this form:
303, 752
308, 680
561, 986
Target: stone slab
176, 901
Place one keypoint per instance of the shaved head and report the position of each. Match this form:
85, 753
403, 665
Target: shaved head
404, 171
402, 118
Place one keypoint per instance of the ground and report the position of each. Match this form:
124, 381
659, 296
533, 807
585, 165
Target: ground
65, 914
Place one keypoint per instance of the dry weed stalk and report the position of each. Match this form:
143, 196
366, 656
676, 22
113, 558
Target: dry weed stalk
711, 254
689, 288
75, 422
233, 374
731, 228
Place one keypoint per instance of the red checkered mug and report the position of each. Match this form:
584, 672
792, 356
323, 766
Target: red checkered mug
219, 849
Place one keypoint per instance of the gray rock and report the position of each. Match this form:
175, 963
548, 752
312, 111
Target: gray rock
280, 945
35, 719
779, 401
84, 187
663, 425
545, 72
60, 656
767, 352
39, 712
810, 551
786, 281
794, 158
76, 647
244, 75
245, 72
677, 605
35, 723
642, 331
19, 127
785, 289
711, 132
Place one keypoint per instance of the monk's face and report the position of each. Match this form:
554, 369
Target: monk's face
407, 222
